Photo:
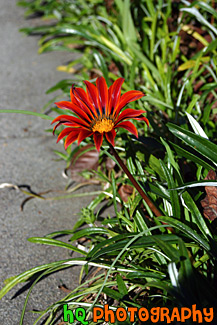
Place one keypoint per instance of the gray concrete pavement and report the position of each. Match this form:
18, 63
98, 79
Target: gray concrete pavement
26, 157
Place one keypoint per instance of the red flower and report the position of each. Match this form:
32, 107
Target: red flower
99, 112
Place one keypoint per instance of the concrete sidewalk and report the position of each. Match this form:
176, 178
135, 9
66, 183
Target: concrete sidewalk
26, 157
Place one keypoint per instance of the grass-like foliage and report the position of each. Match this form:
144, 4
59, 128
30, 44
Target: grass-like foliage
167, 49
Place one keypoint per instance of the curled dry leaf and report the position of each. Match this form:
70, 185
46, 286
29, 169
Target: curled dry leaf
209, 203
125, 191
109, 163
86, 158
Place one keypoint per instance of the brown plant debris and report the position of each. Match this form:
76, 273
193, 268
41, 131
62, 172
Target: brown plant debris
125, 191
86, 158
209, 203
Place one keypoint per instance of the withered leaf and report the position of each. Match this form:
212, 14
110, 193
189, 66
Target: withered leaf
125, 191
109, 163
209, 203
86, 158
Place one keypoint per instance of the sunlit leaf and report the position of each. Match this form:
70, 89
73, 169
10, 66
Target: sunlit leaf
203, 146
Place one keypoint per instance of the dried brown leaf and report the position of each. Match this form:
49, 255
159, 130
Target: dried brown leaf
125, 191
86, 158
109, 163
209, 203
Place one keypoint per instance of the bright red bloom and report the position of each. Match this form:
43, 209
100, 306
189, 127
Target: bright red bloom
99, 112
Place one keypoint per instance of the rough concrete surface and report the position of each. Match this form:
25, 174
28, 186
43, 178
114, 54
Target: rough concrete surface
26, 157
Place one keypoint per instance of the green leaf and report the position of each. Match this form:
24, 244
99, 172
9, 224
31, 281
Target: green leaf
121, 286
187, 65
168, 249
54, 242
102, 65
197, 217
202, 260
159, 190
61, 155
173, 274
184, 153
193, 11
186, 230
211, 47
154, 163
149, 65
19, 111
161, 285
186, 267
114, 192
140, 275
210, 86
195, 184
60, 85
195, 99
153, 34
81, 233
145, 241
206, 7
127, 21
173, 194
112, 293
87, 232
203, 146
94, 203
140, 222
154, 100
25, 276
196, 126
115, 50
135, 205
170, 156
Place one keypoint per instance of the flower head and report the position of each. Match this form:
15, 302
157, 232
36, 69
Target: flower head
99, 111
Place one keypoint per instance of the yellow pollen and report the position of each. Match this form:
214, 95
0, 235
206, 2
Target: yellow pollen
103, 125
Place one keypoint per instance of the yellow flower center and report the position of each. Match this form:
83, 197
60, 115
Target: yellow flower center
103, 125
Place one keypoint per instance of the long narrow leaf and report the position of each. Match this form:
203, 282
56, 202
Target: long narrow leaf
203, 146
19, 111
54, 242
187, 231
173, 195
25, 276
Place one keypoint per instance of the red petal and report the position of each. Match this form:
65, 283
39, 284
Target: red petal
110, 136
143, 118
79, 96
129, 113
93, 96
78, 92
68, 118
74, 108
98, 138
114, 95
128, 97
129, 127
63, 133
56, 126
103, 93
71, 138
71, 124
84, 134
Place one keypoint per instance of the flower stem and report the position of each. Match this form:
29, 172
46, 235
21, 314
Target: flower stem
134, 182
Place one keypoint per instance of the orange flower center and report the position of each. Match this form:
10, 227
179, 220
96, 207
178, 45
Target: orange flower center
103, 125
